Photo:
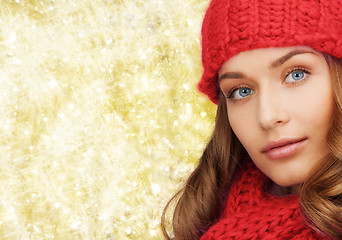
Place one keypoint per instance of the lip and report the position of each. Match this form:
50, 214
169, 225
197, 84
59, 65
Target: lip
283, 148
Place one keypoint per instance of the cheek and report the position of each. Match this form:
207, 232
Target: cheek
243, 125
314, 108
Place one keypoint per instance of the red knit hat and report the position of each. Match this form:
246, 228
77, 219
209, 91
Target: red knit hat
233, 26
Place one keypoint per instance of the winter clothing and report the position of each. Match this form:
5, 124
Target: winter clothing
233, 26
252, 213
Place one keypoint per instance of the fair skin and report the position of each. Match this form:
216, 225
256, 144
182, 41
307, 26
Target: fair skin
280, 110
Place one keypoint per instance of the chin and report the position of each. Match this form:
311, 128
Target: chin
287, 175
287, 182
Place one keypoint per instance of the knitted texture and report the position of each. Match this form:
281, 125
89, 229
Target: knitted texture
233, 26
252, 213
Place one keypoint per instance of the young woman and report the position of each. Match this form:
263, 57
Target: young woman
273, 168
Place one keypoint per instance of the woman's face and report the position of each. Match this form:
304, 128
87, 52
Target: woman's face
280, 106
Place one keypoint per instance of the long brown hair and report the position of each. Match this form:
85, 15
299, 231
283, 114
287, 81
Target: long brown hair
203, 197
321, 194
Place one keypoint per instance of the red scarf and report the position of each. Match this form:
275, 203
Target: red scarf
252, 213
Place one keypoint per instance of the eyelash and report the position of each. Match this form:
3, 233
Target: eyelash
294, 69
303, 69
233, 90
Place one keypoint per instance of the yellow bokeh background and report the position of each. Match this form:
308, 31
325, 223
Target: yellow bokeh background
100, 122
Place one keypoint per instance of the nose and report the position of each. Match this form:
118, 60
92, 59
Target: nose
272, 109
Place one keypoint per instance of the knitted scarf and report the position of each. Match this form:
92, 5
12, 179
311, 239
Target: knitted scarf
252, 213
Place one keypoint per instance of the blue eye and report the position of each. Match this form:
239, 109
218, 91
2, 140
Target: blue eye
241, 93
296, 75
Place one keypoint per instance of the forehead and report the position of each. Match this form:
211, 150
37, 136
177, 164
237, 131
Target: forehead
262, 56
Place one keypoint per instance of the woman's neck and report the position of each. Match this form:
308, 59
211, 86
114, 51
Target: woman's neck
279, 191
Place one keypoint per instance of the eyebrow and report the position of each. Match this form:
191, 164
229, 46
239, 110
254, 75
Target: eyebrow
276, 63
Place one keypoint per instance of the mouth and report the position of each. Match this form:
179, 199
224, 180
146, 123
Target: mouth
283, 148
